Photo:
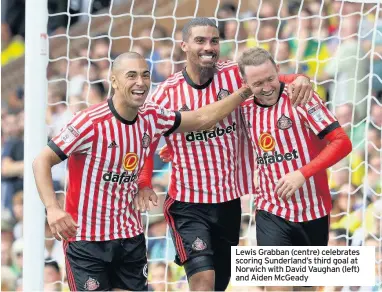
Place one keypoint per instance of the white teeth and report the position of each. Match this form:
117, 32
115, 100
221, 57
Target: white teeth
138, 91
206, 57
267, 94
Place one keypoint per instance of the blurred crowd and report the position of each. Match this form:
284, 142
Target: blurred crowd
329, 41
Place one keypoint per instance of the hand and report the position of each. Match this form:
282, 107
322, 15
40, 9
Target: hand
141, 200
290, 183
166, 154
301, 91
246, 92
61, 223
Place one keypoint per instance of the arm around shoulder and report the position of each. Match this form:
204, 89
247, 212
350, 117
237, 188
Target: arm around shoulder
207, 116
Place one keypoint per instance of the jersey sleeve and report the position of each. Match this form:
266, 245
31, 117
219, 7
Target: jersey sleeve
160, 96
167, 121
75, 137
318, 117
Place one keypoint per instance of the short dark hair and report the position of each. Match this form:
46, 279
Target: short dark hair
198, 21
254, 57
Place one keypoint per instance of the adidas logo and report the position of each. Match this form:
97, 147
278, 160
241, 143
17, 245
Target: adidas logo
184, 108
112, 145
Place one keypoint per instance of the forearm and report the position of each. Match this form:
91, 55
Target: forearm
11, 168
339, 147
43, 176
209, 115
290, 77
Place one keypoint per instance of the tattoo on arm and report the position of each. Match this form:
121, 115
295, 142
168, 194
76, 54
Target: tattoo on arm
245, 94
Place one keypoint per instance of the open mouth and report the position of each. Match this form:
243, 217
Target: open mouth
207, 57
138, 93
269, 93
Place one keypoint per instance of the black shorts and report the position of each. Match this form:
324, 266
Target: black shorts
272, 230
106, 265
199, 229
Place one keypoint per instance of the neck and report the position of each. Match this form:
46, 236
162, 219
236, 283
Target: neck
199, 75
123, 109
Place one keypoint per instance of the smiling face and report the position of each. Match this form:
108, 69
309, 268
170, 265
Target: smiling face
131, 80
263, 81
202, 46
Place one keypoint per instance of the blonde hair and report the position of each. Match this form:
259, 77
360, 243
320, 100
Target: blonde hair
254, 57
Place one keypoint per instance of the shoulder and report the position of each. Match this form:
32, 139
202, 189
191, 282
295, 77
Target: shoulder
95, 108
248, 104
148, 108
229, 70
226, 66
160, 94
152, 112
172, 81
315, 102
312, 108
92, 115
284, 96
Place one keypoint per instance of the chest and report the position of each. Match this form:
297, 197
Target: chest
122, 148
272, 130
185, 97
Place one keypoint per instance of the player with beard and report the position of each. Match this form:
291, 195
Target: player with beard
211, 170
106, 146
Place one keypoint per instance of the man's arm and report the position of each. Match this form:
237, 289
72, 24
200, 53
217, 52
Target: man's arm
207, 116
323, 124
60, 222
146, 193
201, 119
339, 147
42, 170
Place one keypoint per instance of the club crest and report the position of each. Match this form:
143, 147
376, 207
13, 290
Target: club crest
199, 244
284, 122
223, 93
146, 140
91, 284
184, 108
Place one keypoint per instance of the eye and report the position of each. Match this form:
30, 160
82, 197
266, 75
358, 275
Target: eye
215, 41
146, 75
271, 79
199, 41
131, 75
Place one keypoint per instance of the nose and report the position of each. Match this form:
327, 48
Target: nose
139, 80
208, 46
267, 87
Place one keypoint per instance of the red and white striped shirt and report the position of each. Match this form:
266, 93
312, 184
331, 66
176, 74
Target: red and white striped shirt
285, 139
205, 166
106, 153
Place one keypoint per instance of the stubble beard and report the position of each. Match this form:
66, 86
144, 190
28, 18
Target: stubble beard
207, 72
